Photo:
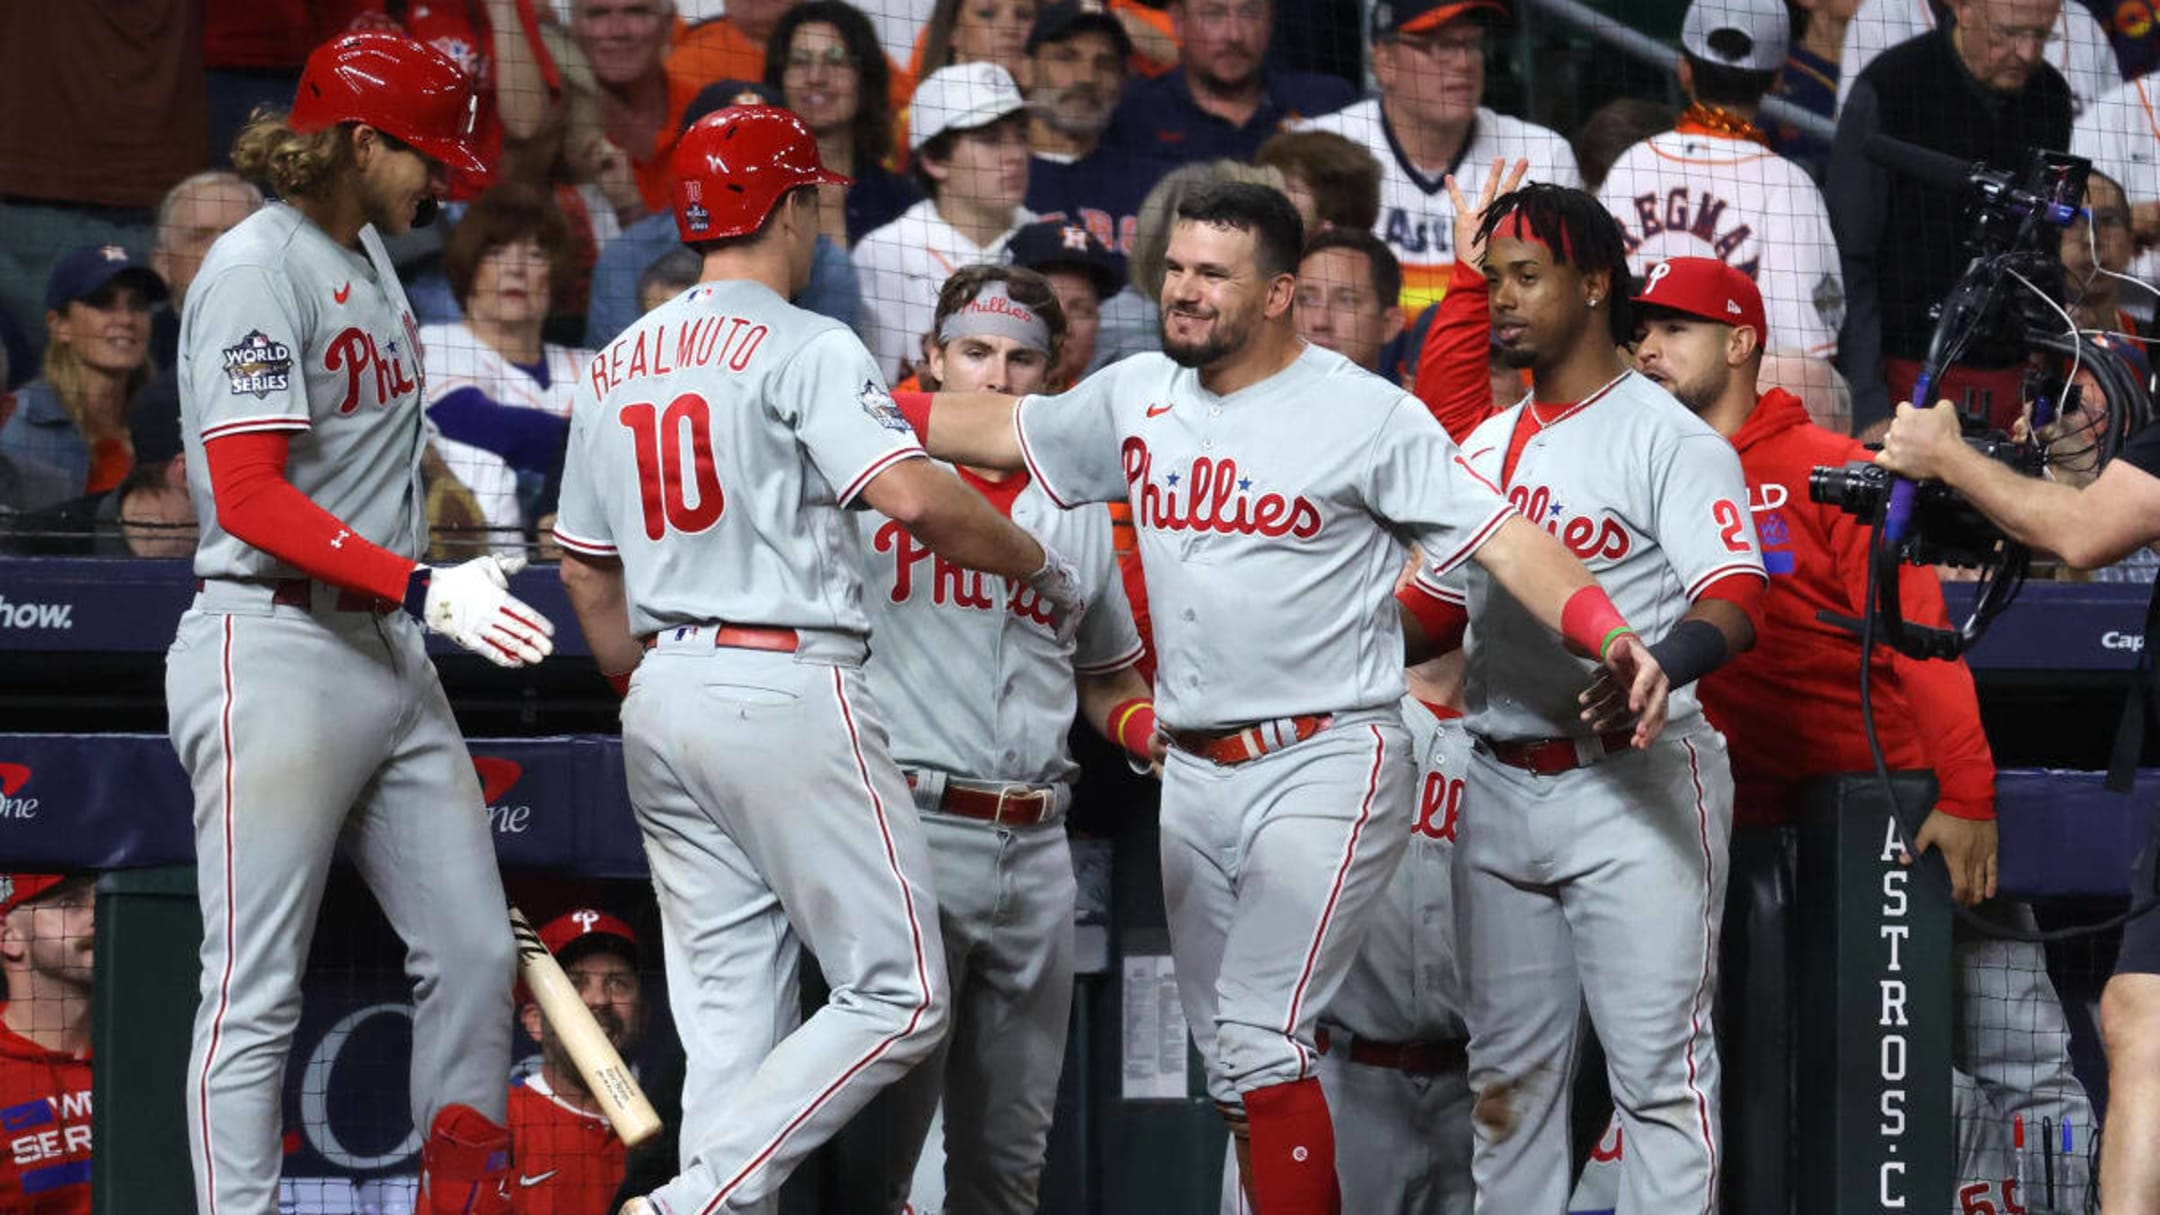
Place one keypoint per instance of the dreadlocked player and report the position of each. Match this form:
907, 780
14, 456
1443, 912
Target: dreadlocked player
1595, 871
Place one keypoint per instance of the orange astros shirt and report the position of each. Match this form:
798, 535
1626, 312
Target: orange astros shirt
45, 1126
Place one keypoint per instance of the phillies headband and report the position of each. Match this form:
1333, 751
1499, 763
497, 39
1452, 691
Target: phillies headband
994, 313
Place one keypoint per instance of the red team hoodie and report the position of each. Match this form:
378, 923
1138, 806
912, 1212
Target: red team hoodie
45, 1127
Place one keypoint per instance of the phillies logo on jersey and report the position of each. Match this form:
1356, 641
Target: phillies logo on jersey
1585, 536
1212, 496
12, 778
1681, 214
952, 585
1439, 805
355, 352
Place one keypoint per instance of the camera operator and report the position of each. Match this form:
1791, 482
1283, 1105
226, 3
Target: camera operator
2096, 525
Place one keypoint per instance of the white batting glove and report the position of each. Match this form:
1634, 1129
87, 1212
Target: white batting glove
471, 604
1058, 582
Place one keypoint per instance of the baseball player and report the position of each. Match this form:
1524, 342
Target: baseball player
301, 699
713, 447
569, 1160
1288, 781
979, 696
1711, 186
48, 934
1592, 873
1430, 120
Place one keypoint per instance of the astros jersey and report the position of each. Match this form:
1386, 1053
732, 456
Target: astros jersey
569, 1162
712, 447
966, 666
461, 360
1278, 513
1648, 496
44, 1130
287, 331
1697, 193
1416, 219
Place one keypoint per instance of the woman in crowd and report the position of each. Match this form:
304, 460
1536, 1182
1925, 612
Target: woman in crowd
825, 61
73, 419
966, 31
498, 394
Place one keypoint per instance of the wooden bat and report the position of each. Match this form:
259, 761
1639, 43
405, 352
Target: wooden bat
607, 1077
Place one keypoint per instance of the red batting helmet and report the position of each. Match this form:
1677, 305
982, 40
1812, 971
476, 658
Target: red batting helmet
732, 165
406, 89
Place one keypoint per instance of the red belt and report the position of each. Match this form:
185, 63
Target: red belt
1013, 806
1242, 743
1416, 1058
746, 637
1548, 756
300, 593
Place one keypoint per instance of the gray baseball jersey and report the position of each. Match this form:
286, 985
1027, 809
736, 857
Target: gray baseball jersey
968, 668
286, 331
1279, 511
1647, 495
304, 725
712, 447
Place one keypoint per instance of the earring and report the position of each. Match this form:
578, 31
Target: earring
1593, 301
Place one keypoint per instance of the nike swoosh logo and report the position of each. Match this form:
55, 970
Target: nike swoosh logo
1156, 411
525, 1182
342, 294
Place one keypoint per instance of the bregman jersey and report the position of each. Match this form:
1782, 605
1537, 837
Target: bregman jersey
1274, 516
899, 269
1647, 495
713, 446
966, 667
457, 359
1417, 220
1698, 193
287, 331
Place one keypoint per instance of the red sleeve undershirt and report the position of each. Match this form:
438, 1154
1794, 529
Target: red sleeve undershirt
262, 509
1444, 622
1451, 373
1743, 591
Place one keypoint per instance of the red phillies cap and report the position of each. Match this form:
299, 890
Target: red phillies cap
19, 888
572, 927
1707, 288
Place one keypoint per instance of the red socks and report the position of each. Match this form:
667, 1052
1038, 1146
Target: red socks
465, 1165
1293, 1150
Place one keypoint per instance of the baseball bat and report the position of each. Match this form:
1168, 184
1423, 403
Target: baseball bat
607, 1077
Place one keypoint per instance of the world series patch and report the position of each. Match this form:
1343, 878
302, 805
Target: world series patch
257, 365
882, 409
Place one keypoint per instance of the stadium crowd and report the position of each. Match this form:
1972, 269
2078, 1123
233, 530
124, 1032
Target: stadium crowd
1059, 138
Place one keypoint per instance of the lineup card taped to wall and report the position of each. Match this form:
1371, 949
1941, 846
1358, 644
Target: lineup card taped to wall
1155, 1037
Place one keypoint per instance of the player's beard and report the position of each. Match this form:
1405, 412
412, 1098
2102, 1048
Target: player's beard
1703, 392
611, 1027
1224, 339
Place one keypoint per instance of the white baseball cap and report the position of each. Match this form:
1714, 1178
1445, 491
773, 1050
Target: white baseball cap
961, 98
1765, 24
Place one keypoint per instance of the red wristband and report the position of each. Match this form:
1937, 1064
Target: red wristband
915, 407
621, 683
1132, 723
1590, 622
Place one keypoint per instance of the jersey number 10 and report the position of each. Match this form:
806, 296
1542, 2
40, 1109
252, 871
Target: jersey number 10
662, 486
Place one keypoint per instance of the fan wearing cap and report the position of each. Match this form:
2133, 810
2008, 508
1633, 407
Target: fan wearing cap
569, 1160
1431, 120
47, 942
1712, 187
616, 304
1086, 278
1078, 56
73, 417
979, 694
301, 386
968, 134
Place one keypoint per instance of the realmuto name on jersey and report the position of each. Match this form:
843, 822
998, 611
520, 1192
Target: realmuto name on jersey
703, 340
1588, 537
952, 586
1211, 495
